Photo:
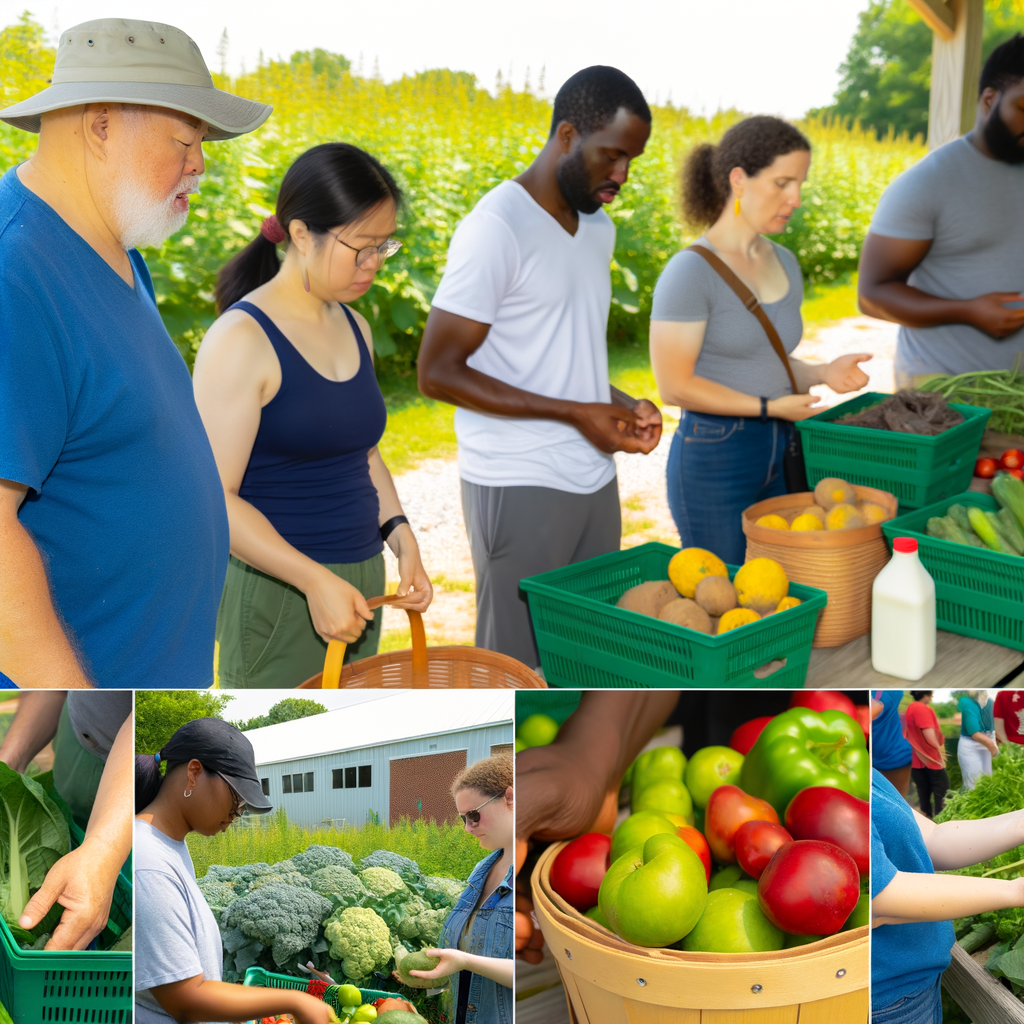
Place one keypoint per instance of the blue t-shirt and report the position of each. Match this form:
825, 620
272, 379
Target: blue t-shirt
98, 420
889, 747
905, 958
973, 717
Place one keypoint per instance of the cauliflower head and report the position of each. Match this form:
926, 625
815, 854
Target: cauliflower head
334, 880
442, 891
283, 917
316, 857
360, 940
385, 884
408, 869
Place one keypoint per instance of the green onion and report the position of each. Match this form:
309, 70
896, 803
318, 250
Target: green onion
1002, 391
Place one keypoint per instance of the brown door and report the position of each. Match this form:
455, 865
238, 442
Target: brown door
420, 786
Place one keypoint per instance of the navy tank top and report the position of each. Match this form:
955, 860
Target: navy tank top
308, 472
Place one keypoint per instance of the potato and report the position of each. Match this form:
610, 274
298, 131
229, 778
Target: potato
843, 516
648, 598
815, 510
684, 612
715, 595
832, 491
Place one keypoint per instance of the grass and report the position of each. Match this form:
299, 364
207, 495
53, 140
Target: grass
824, 304
446, 850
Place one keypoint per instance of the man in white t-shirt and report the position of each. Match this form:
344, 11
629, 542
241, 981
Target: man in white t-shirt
516, 339
944, 257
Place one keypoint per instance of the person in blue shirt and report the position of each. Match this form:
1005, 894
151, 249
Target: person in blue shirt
977, 744
891, 754
113, 532
912, 907
476, 941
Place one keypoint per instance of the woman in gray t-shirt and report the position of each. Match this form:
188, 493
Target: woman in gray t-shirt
711, 356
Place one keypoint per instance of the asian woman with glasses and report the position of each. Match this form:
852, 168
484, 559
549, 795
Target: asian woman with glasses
285, 385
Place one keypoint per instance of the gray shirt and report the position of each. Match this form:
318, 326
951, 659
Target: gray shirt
736, 351
176, 934
97, 715
973, 210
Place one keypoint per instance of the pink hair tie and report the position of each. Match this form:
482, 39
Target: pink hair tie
272, 231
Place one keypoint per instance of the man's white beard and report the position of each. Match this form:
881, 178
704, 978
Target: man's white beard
144, 221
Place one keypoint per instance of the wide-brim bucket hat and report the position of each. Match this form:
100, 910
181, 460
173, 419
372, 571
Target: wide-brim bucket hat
115, 60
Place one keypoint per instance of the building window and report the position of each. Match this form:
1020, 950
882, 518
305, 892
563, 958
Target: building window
364, 776
337, 778
286, 783
297, 783
309, 782
265, 784
350, 778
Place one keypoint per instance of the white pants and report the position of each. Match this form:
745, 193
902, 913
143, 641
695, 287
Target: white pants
975, 760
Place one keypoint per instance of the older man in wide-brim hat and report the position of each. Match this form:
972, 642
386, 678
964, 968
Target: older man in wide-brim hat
113, 534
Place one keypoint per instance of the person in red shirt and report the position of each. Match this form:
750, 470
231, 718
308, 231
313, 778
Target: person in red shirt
1008, 712
928, 764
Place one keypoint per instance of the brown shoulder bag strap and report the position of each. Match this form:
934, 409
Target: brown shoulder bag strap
749, 299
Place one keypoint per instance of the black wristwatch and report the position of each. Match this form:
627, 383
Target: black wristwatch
764, 410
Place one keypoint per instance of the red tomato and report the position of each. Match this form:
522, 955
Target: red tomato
1012, 458
727, 809
832, 815
698, 844
1017, 473
809, 888
756, 843
862, 712
822, 700
986, 468
579, 869
745, 735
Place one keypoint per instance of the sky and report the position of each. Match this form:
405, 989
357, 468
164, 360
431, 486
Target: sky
250, 703
773, 58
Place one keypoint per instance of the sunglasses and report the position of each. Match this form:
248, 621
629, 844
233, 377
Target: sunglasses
473, 817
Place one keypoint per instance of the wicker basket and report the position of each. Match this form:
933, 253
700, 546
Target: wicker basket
609, 981
843, 563
422, 667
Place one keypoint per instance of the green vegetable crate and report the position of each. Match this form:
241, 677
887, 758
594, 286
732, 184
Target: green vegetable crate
259, 977
978, 593
585, 641
919, 470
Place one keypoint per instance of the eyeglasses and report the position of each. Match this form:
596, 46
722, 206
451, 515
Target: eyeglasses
473, 817
238, 806
381, 252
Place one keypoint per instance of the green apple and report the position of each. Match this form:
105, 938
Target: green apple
656, 765
733, 922
861, 914
654, 895
520, 745
800, 940
594, 913
637, 829
710, 768
666, 795
730, 877
537, 730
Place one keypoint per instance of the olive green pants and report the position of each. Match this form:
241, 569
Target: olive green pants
76, 771
266, 635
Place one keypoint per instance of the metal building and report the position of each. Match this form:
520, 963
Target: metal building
392, 757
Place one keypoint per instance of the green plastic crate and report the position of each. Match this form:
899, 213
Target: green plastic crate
555, 704
918, 470
265, 979
585, 641
978, 592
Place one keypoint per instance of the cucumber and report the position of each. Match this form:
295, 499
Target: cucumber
1011, 530
1009, 492
986, 530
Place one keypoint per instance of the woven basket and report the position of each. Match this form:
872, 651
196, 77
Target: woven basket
422, 667
843, 563
609, 981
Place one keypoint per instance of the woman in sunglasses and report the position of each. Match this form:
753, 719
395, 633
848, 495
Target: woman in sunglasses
477, 936
210, 780
285, 385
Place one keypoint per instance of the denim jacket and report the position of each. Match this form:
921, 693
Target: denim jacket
491, 935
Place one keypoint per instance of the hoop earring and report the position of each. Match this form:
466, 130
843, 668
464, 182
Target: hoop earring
735, 210
189, 793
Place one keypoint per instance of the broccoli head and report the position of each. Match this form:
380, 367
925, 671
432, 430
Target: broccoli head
239, 878
316, 857
334, 880
217, 894
442, 891
283, 917
408, 869
385, 885
423, 928
360, 940
283, 871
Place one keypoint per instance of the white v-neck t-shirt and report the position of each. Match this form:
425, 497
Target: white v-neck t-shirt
546, 295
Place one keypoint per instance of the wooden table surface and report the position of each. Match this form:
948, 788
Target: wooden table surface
960, 662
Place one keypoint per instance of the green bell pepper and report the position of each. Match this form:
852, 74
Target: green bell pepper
801, 748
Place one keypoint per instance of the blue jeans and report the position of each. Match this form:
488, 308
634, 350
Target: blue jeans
923, 1008
717, 467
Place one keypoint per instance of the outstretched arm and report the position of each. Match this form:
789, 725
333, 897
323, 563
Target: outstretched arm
34, 725
911, 897
959, 844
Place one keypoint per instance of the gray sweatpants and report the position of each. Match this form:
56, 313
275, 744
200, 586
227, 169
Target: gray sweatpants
521, 531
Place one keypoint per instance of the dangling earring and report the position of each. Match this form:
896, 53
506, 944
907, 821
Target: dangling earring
735, 210
188, 794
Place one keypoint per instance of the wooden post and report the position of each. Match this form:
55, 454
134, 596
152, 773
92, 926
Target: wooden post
956, 65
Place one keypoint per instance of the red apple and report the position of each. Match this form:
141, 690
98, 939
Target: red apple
745, 735
822, 700
756, 843
728, 808
834, 816
696, 842
863, 716
809, 888
579, 869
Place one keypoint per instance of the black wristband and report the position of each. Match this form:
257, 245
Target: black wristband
391, 525
764, 410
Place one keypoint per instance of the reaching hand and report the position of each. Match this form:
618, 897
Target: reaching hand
338, 610
989, 313
844, 374
452, 961
793, 407
414, 584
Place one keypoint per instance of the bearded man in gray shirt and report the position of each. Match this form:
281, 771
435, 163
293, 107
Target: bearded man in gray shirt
944, 257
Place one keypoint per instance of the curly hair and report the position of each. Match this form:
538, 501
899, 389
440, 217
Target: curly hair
1004, 67
753, 144
492, 776
591, 98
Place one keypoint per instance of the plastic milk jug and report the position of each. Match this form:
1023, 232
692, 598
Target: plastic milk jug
903, 615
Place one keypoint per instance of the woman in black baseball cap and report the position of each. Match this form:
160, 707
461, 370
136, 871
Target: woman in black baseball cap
210, 780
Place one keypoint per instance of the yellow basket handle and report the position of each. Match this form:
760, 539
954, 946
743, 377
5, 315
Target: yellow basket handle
336, 648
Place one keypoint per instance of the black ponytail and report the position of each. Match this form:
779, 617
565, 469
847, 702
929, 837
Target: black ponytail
328, 186
148, 780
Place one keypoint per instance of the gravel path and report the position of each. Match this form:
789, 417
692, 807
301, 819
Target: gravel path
431, 494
